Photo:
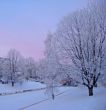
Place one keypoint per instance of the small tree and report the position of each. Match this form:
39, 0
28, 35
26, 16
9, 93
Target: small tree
52, 65
14, 65
30, 68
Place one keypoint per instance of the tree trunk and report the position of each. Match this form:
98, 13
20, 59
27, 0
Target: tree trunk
94, 82
12, 83
90, 89
53, 96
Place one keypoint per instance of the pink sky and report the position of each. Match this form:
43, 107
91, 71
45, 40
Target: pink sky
24, 24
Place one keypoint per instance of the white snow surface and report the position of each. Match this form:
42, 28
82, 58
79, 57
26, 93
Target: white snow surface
18, 86
73, 98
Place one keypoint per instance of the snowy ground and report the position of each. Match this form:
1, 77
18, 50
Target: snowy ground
72, 98
26, 85
75, 99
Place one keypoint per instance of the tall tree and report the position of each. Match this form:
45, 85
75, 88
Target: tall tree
82, 37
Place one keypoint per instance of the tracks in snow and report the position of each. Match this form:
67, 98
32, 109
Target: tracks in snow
33, 104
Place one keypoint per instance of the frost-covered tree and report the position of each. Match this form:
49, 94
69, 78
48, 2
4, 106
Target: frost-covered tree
52, 65
41, 70
15, 66
81, 36
30, 68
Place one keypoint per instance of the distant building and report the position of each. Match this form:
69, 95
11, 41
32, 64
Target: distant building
4, 62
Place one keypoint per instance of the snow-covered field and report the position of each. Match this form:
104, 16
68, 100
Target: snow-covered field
24, 86
73, 98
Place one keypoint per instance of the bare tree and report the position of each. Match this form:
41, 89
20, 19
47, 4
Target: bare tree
82, 37
30, 68
52, 65
14, 65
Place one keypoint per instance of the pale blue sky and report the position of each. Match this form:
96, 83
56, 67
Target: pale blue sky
25, 23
